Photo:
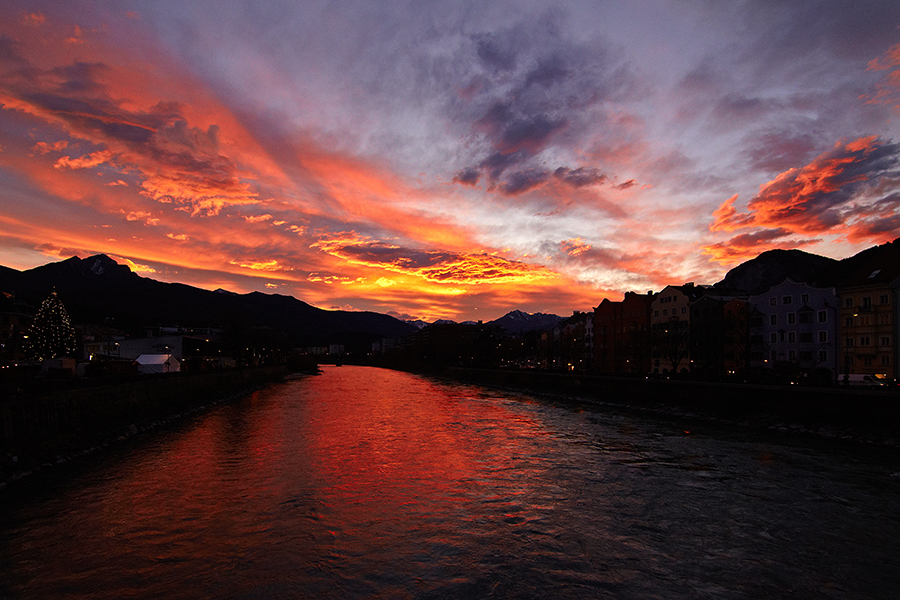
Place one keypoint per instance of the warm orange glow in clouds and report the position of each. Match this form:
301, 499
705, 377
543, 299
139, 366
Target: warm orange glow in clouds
433, 266
833, 193
453, 161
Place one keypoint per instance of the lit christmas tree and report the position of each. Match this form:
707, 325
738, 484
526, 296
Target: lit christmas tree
51, 334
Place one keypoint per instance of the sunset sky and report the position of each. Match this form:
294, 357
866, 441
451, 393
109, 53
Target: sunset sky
446, 159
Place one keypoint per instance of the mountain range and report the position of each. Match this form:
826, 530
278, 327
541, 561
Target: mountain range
99, 290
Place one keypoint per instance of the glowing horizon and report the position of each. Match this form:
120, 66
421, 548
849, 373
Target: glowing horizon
445, 161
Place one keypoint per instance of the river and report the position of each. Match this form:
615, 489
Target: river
370, 483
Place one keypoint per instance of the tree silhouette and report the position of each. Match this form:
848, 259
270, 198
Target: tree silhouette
51, 334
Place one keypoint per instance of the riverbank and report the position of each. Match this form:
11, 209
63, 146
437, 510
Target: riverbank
867, 416
38, 432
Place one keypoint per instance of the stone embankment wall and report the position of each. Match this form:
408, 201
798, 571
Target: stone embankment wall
858, 408
39, 423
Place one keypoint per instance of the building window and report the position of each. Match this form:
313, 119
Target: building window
805, 355
849, 342
655, 313
848, 302
773, 301
867, 361
884, 319
792, 355
848, 322
823, 316
806, 317
773, 319
786, 299
885, 360
773, 337
864, 340
867, 302
806, 337
884, 299
792, 318
804, 298
792, 337
885, 341
848, 361
684, 310
781, 335
823, 337
823, 356
665, 312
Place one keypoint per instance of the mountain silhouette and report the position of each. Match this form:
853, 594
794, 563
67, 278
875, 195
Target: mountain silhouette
99, 290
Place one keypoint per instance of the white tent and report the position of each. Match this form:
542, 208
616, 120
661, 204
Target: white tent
157, 363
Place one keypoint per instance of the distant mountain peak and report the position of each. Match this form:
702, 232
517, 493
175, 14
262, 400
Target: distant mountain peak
517, 321
100, 263
773, 266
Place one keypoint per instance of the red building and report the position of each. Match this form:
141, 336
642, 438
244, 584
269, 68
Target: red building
622, 335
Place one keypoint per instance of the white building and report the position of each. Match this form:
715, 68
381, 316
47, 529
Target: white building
157, 363
796, 324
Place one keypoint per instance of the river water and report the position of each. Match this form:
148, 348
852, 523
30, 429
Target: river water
369, 483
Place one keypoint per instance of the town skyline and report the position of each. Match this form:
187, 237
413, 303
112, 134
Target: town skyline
446, 162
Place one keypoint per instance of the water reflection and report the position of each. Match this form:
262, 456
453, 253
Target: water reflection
370, 483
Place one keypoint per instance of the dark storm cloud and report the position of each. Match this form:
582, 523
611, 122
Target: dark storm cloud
548, 72
534, 89
519, 182
9, 53
469, 176
777, 150
495, 53
579, 177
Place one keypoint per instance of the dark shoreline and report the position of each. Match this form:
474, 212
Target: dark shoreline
40, 432
864, 416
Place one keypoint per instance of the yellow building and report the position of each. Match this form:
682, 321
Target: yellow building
868, 321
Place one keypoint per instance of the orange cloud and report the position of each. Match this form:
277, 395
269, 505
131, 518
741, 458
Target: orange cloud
433, 266
888, 89
845, 191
